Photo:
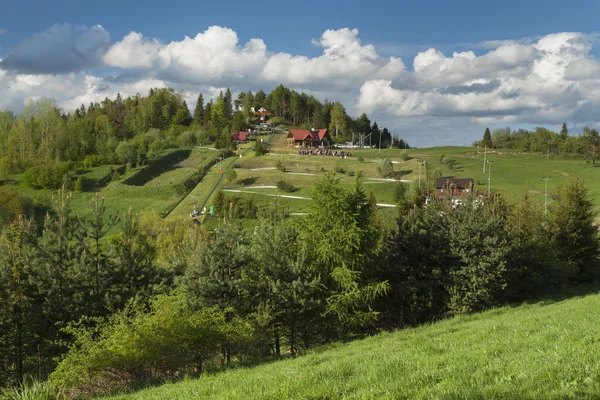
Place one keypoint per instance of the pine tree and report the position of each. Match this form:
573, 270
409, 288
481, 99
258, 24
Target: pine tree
19, 328
487, 138
228, 105
572, 231
564, 131
199, 110
94, 264
342, 244
182, 116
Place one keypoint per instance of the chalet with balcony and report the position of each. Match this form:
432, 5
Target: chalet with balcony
453, 187
239, 137
309, 138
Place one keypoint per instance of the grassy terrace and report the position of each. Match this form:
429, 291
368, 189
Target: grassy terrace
541, 350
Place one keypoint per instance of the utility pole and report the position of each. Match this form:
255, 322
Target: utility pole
419, 172
546, 178
379, 142
484, 158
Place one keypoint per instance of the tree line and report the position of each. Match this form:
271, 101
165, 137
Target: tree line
541, 140
97, 312
49, 144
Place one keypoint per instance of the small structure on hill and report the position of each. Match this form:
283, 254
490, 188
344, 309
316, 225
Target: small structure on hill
309, 138
453, 187
239, 137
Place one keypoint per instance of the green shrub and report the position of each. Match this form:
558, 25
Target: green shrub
167, 341
279, 165
260, 149
230, 175
47, 175
92, 160
286, 187
404, 155
386, 168
79, 184
339, 169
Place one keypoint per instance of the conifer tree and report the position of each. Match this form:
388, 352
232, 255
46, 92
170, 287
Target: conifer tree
572, 230
487, 138
199, 110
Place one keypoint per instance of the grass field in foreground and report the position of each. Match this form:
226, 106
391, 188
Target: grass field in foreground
542, 350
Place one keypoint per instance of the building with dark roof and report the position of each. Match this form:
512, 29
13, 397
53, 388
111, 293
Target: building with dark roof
453, 187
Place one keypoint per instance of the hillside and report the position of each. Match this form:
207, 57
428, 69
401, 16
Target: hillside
541, 350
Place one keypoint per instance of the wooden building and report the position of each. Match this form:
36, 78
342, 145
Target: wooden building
309, 138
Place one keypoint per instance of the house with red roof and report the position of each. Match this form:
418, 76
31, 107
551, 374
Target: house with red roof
239, 137
309, 138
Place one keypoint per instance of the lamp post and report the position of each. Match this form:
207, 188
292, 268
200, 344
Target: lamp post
546, 178
220, 165
489, 176
484, 158
379, 142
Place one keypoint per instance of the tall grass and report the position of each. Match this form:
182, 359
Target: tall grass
31, 389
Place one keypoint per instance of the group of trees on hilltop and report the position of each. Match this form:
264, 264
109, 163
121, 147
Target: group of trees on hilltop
50, 143
542, 140
161, 299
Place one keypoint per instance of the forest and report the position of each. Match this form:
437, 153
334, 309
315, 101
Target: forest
159, 300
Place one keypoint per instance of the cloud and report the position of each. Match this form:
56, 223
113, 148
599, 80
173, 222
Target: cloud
59, 49
134, 51
544, 80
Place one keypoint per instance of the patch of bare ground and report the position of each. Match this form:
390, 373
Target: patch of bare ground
560, 172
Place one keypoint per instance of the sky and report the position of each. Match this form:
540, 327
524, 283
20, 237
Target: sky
434, 72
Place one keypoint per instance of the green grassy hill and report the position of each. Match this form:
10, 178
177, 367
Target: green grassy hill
543, 350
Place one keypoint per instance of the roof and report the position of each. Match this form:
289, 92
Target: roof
239, 135
299, 134
303, 134
462, 183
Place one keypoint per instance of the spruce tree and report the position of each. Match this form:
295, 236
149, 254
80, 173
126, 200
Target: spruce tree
228, 105
487, 138
572, 230
199, 110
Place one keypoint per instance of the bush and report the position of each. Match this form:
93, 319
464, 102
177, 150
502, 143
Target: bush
187, 139
79, 184
167, 341
404, 155
386, 168
260, 149
92, 160
48, 175
339, 169
230, 175
279, 165
286, 187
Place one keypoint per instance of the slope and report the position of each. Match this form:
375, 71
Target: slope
542, 350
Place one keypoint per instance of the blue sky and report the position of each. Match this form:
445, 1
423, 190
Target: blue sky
506, 48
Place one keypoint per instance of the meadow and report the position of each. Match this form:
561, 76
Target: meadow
545, 349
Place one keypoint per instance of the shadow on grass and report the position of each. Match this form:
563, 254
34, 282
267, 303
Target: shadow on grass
566, 293
154, 383
158, 166
247, 181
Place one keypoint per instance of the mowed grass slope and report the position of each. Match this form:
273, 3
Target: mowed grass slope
542, 350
